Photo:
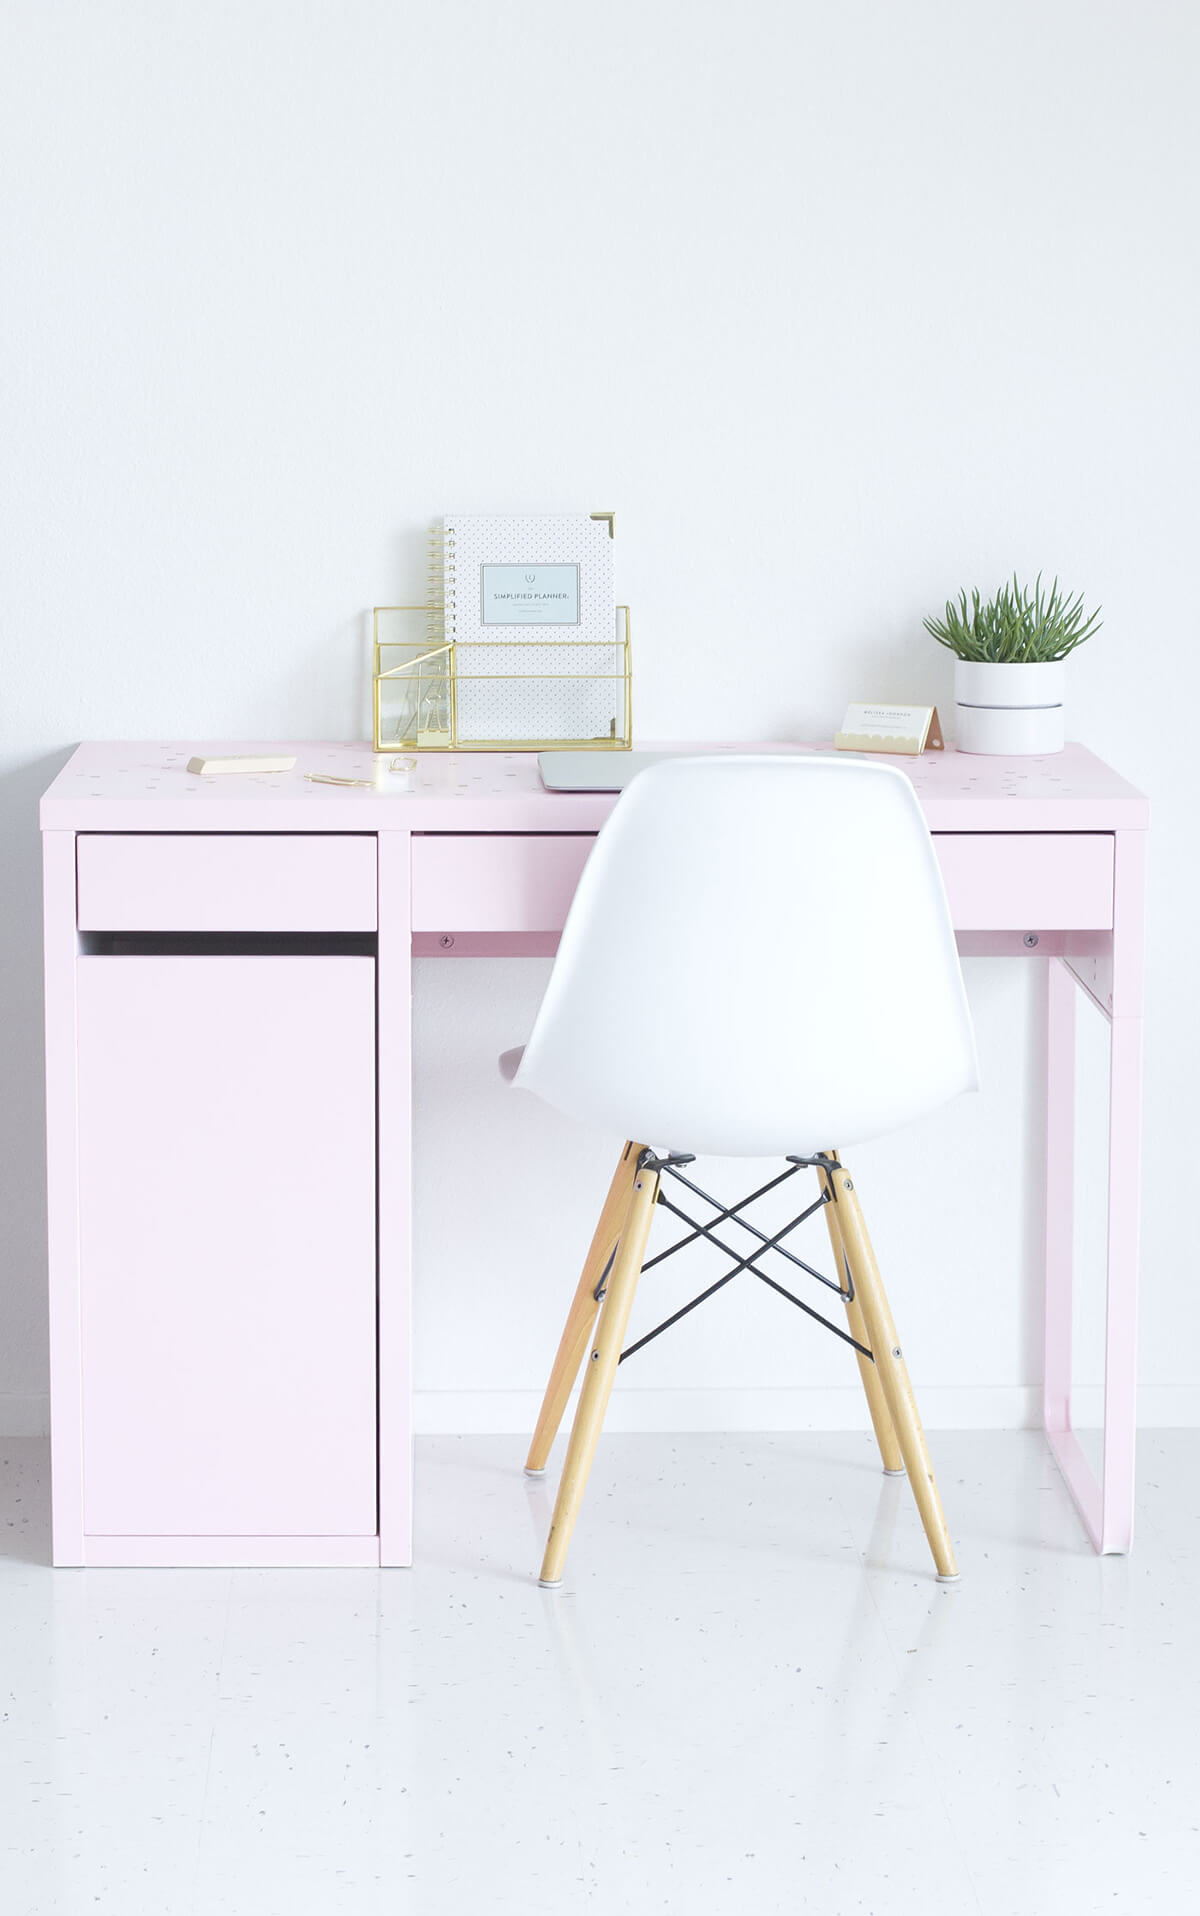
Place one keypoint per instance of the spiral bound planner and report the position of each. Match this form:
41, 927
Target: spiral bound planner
531, 613
535, 576
530, 647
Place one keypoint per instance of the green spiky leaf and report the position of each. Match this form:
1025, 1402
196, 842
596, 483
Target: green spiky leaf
1016, 626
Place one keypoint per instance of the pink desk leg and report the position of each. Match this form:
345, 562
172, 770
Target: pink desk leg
1124, 1191
1060, 1194
1107, 1506
395, 1198
62, 1190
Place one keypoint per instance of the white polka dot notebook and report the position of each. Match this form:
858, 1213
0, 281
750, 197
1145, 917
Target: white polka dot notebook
539, 652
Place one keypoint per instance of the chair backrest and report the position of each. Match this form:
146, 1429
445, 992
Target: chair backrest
759, 959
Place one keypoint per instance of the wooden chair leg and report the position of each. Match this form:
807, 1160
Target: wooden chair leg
601, 1369
582, 1315
881, 1416
893, 1373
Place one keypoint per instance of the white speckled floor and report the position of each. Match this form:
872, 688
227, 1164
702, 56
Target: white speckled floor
751, 1697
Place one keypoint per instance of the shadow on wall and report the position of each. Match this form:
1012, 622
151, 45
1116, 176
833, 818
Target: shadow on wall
22, 1103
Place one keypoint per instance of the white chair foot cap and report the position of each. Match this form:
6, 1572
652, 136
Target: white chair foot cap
535, 1473
956, 1578
894, 1473
550, 1583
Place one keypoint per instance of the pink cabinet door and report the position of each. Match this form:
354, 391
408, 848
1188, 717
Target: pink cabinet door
227, 1241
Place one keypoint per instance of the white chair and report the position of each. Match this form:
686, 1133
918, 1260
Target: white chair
758, 962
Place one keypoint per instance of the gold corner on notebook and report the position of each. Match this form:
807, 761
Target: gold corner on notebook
611, 518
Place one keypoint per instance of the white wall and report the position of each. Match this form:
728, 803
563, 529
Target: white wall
840, 306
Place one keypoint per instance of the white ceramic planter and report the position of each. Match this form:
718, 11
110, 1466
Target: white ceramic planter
1009, 709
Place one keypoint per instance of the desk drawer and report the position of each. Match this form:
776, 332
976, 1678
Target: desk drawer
464, 881
1028, 881
996, 881
217, 881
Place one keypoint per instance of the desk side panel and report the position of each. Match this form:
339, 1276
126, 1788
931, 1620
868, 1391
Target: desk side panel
1124, 1192
395, 1199
62, 1191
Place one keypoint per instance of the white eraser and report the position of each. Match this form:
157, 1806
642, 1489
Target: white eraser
241, 762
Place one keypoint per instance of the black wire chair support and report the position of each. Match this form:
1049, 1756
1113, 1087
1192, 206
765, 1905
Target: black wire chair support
669, 1165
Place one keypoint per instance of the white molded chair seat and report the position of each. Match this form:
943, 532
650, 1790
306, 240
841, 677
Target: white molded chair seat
758, 959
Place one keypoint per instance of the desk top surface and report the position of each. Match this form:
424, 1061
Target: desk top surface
147, 787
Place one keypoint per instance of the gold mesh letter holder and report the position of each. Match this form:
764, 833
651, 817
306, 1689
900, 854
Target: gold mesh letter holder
434, 691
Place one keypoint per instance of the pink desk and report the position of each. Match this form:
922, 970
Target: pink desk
228, 969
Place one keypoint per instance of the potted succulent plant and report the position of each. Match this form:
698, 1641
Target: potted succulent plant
1010, 652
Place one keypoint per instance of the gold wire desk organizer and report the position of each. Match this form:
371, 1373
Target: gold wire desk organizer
433, 694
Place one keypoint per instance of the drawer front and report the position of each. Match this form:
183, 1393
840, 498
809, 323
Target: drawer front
995, 881
1028, 881
236, 881
495, 882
